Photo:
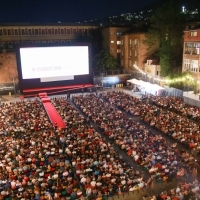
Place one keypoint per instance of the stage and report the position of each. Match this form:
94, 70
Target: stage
55, 90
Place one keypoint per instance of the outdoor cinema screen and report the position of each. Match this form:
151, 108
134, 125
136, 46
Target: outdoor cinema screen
54, 61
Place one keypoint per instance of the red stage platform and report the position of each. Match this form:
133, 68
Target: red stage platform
54, 90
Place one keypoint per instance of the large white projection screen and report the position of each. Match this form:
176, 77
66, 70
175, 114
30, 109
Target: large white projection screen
48, 62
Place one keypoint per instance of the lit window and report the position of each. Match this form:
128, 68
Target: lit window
187, 64
112, 41
118, 42
130, 42
193, 33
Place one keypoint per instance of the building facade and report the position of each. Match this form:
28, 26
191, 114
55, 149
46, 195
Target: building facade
191, 51
15, 34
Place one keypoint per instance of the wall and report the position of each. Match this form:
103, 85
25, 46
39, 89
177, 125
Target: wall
8, 68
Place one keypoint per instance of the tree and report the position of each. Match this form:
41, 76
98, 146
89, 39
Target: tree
166, 31
104, 61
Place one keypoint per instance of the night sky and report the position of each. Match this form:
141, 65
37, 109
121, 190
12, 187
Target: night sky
65, 10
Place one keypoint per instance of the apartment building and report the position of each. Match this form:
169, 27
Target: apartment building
191, 51
30, 33
112, 40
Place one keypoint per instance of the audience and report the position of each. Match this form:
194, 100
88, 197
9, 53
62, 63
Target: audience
40, 161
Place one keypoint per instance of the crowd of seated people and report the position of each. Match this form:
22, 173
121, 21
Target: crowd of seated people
99, 168
176, 126
177, 105
161, 159
39, 161
33, 164
183, 191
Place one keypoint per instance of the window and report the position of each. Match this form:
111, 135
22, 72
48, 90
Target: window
118, 42
118, 50
122, 42
149, 62
136, 53
122, 62
130, 42
112, 41
62, 31
36, 32
10, 45
50, 42
9, 32
62, 41
49, 31
68, 31
23, 32
80, 31
187, 64
30, 42
111, 33
17, 43
194, 65
86, 31
122, 52
43, 42
130, 63
193, 33
130, 53
119, 33
136, 42
56, 31
56, 41
74, 31
43, 31
29, 31
37, 42
68, 41
23, 42
16, 32
2, 45
1, 32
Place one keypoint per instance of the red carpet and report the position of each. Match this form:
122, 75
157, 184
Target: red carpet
54, 116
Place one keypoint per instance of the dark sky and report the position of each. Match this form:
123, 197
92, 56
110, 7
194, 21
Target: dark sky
65, 10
